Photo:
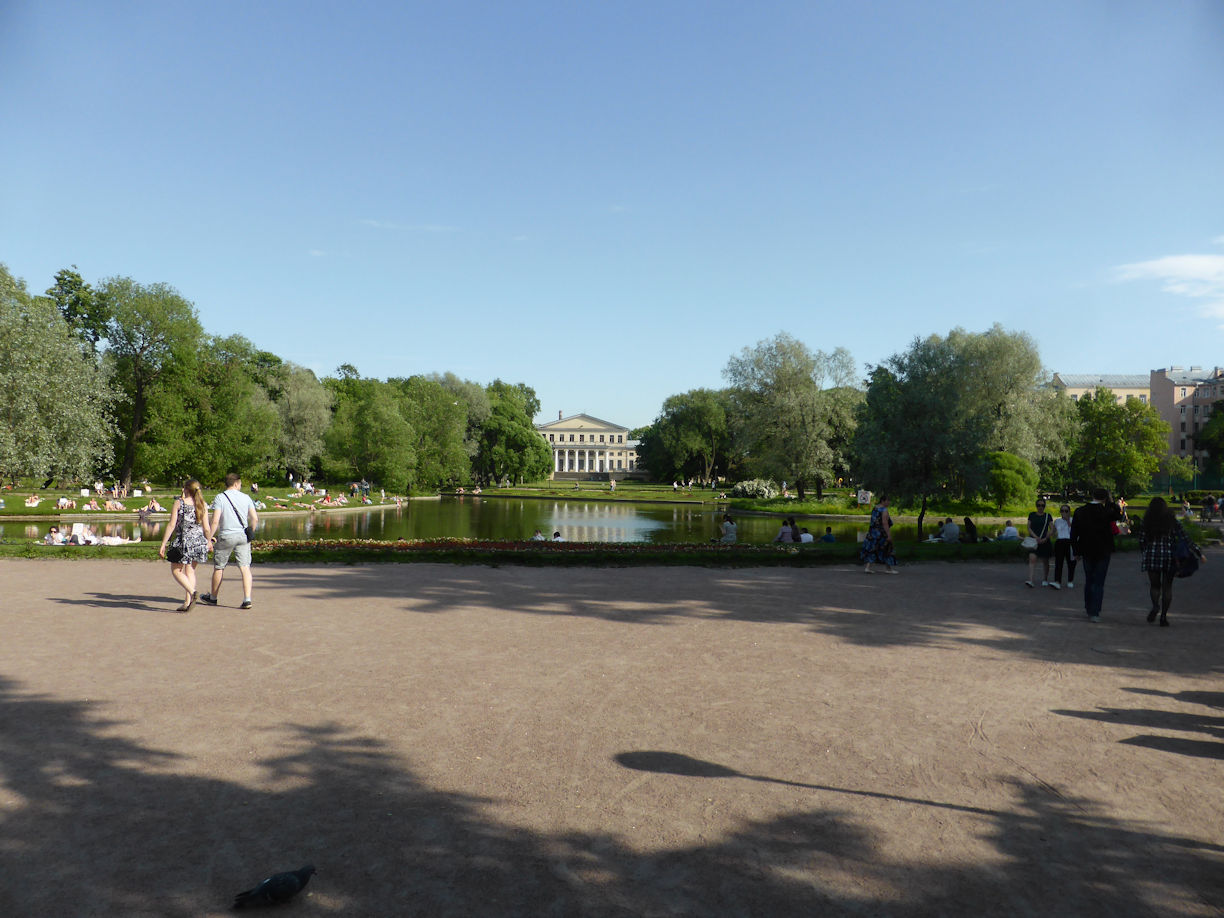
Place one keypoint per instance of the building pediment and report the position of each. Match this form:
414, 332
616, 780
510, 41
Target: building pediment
581, 422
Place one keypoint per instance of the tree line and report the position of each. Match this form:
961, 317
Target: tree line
121, 380
964, 415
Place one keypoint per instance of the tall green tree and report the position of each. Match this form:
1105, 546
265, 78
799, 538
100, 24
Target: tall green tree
85, 310
915, 441
438, 421
789, 402
305, 408
1120, 446
510, 446
55, 418
369, 437
152, 331
691, 438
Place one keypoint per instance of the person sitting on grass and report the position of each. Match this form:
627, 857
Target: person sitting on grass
93, 504
950, 531
65, 503
32, 501
969, 533
114, 505
1010, 533
54, 537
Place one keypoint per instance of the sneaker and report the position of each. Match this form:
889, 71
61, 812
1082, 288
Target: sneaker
246, 604
1151, 617
1054, 586
1070, 584
1094, 618
208, 598
1029, 584
1045, 583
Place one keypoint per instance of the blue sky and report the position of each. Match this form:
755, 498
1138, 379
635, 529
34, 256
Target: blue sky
607, 200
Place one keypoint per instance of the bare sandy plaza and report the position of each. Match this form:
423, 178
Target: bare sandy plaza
485, 741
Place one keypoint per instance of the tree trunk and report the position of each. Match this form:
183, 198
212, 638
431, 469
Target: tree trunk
921, 516
799, 487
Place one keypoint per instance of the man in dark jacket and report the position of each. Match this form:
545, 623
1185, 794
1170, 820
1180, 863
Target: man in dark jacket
1092, 541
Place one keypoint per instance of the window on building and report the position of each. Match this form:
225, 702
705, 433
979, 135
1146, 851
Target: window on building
1183, 445
571, 438
619, 465
1183, 395
580, 436
1196, 410
1182, 409
550, 438
620, 438
1075, 398
1143, 398
1183, 423
601, 438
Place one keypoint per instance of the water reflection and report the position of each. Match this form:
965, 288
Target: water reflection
496, 519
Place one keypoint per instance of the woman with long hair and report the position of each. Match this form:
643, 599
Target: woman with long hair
188, 544
1158, 541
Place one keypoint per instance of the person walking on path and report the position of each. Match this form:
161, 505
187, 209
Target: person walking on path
1041, 528
233, 511
1062, 549
185, 541
878, 547
1092, 541
1158, 540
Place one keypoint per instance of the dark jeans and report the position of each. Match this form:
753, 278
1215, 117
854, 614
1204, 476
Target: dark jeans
1095, 570
1062, 552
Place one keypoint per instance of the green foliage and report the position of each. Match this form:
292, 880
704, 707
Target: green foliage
84, 309
793, 409
1120, 445
934, 413
152, 331
690, 438
756, 488
438, 421
55, 418
509, 446
305, 408
369, 437
1012, 479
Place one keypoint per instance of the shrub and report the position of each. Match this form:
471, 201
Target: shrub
1012, 480
757, 488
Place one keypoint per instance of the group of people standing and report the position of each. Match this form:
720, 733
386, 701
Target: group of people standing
193, 532
1087, 537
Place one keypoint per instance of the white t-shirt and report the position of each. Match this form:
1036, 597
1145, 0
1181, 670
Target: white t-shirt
233, 519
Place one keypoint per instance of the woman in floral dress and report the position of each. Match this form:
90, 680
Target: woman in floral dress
878, 547
185, 534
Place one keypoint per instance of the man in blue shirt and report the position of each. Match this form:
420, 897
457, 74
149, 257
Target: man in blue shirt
232, 512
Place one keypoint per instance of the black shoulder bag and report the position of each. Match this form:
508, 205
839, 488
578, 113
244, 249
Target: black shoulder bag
248, 530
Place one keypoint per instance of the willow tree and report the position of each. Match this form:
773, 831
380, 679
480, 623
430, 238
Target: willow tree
792, 407
55, 418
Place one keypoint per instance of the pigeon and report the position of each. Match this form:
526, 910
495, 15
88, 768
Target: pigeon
276, 889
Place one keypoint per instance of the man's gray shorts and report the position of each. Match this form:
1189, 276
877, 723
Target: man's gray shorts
231, 543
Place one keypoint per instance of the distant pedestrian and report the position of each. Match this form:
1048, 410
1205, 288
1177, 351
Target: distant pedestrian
1158, 541
878, 545
1040, 528
1063, 554
1092, 541
828, 535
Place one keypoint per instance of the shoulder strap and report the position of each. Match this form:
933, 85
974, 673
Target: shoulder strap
241, 521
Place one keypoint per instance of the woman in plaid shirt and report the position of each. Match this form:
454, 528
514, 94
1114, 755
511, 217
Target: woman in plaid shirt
1158, 539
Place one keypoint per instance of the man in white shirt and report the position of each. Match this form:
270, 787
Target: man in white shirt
232, 512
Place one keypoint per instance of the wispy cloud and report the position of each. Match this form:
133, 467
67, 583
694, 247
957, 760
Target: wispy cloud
410, 227
1198, 277
316, 253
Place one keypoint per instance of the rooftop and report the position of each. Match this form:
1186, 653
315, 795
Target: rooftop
1106, 380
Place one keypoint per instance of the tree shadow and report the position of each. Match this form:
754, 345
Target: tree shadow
975, 605
1175, 721
97, 824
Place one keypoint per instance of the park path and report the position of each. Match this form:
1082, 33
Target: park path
448, 740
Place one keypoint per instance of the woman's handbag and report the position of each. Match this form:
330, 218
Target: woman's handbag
1184, 561
1028, 542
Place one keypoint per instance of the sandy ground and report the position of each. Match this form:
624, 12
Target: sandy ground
475, 741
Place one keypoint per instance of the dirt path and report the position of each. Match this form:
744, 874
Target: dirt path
476, 741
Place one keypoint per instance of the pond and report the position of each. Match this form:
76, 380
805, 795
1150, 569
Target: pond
473, 517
